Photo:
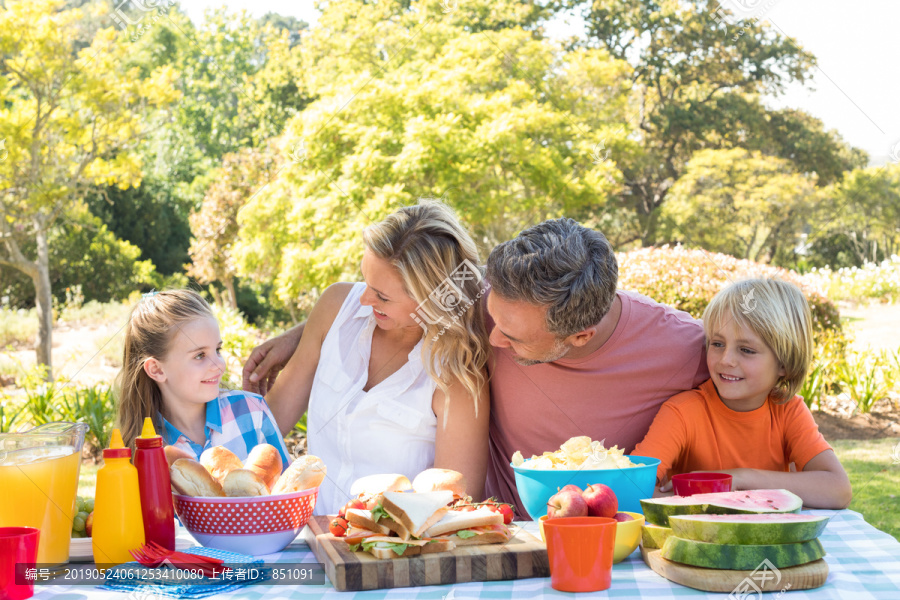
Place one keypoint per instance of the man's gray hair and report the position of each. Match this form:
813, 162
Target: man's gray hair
560, 264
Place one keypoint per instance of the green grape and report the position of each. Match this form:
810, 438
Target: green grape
78, 534
78, 524
88, 505
79, 503
83, 515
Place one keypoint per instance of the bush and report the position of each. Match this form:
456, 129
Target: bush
688, 279
879, 282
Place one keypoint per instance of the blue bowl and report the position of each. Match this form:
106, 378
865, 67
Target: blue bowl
631, 484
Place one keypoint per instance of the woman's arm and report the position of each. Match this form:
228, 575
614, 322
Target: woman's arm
289, 398
462, 438
823, 483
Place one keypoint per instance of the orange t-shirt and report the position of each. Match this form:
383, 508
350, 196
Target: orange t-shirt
695, 431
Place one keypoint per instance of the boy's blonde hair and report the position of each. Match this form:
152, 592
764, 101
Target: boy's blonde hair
150, 329
777, 312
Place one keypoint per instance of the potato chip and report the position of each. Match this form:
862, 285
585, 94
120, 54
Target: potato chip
578, 453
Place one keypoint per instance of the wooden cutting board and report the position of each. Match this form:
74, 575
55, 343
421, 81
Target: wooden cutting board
802, 577
524, 556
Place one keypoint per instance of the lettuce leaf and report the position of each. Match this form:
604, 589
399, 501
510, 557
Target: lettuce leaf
379, 513
465, 534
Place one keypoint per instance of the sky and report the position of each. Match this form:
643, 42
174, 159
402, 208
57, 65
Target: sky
856, 87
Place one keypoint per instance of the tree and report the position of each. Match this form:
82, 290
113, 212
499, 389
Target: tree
70, 121
215, 226
740, 203
699, 83
859, 220
502, 125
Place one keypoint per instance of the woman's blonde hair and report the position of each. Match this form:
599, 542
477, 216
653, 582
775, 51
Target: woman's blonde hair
151, 327
777, 312
438, 262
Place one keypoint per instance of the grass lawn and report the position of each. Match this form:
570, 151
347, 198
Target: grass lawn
869, 463
874, 470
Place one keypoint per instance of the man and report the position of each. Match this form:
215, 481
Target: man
572, 355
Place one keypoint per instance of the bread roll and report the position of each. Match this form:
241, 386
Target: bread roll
219, 460
265, 461
435, 480
380, 483
173, 453
244, 482
304, 473
189, 478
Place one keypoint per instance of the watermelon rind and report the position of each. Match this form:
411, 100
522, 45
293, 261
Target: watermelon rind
658, 510
654, 536
740, 557
748, 529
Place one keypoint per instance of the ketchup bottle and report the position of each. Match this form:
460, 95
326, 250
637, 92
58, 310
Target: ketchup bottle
155, 486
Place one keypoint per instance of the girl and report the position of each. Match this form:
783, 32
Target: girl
171, 372
746, 419
392, 371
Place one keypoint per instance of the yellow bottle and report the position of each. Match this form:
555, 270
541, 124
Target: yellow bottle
118, 524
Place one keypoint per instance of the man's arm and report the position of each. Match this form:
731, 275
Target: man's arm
269, 358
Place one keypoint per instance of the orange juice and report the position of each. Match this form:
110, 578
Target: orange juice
37, 489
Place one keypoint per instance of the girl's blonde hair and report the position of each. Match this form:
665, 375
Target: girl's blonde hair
777, 312
427, 244
151, 327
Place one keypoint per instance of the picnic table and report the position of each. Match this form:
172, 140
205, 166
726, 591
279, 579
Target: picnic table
864, 564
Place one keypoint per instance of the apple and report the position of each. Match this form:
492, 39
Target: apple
601, 501
620, 516
567, 504
571, 487
89, 524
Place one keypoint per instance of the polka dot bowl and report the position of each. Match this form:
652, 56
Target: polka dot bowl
257, 526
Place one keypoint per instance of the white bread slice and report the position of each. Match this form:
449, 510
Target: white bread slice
416, 512
488, 537
455, 520
362, 518
378, 484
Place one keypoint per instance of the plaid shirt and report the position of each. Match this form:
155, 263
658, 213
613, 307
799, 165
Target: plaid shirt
237, 420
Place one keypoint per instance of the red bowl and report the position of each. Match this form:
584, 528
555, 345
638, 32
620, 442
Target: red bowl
258, 525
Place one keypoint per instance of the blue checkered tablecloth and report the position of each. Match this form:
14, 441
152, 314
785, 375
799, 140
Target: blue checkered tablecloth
864, 564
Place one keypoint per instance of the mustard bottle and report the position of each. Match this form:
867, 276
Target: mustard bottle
118, 524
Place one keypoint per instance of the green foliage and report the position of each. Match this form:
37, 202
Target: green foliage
739, 203
830, 347
94, 405
83, 244
699, 86
689, 278
151, 217
859, 220
502, 126
861, 376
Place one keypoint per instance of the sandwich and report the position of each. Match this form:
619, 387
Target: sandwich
470, 528
411, 514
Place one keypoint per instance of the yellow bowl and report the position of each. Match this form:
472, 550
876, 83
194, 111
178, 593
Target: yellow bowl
628, 535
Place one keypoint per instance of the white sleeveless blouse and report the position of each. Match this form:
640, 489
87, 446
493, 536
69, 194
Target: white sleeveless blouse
389, 429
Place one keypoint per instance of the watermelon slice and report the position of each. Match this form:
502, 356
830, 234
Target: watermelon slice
740, 557
654, 536
748, 529
658, 510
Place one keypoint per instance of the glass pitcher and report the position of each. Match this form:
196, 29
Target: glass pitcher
38, 483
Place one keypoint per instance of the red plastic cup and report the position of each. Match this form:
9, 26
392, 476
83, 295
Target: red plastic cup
688, 484
18, 550
580, 552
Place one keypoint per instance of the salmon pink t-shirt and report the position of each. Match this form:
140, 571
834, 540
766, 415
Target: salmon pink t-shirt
695, 431
611, 395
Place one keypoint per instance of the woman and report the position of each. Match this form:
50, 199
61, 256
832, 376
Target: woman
392, 371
